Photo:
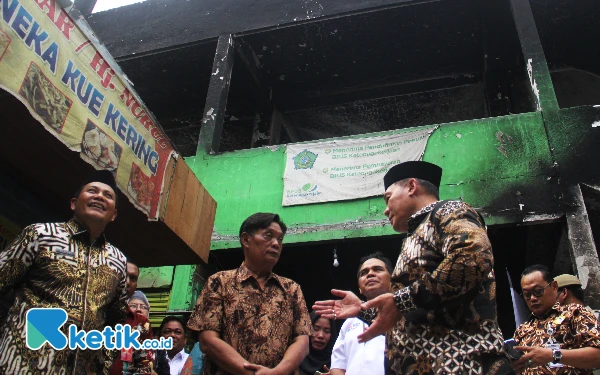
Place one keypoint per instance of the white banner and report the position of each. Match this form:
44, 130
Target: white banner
347, 168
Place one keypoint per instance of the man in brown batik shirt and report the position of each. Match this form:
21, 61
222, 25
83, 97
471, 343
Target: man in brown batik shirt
250, 320
557, 340
440, 317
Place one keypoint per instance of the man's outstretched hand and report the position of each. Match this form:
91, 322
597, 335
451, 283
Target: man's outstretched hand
347, 307
387, 316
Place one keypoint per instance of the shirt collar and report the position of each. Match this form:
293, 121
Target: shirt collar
178, 355
244, 274
417, 217
556, 308
77, 230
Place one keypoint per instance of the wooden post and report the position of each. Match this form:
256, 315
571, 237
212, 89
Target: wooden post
584, 256
216, 99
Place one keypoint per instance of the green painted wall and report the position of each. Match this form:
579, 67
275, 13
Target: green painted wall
491, 163
182, 292
176, 281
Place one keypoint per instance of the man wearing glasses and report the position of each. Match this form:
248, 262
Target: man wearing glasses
556, 339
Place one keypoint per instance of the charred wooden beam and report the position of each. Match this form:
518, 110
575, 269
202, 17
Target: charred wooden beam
216, 99
584, 256
540, 83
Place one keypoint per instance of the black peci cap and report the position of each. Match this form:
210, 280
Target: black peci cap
103, 176
413, 169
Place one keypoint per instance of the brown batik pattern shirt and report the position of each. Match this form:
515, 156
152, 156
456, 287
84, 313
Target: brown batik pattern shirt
54, 265
259, 323
444, 286
573, 327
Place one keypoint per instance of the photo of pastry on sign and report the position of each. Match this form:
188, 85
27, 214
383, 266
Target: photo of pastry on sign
97, 148
140, 187
46, 100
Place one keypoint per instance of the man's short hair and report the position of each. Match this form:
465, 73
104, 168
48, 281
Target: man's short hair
543, 269
258, 221
172, 318
576, 290
376, 255
427, 186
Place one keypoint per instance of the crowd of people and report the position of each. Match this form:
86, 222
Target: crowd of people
434, 312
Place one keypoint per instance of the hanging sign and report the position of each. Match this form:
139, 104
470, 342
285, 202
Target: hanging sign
347, 168
51, 66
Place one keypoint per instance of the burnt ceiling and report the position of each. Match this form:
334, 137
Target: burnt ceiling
373, 49
568, 29
336, 68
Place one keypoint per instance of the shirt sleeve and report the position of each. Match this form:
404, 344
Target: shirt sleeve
209, 309
303, 325
519, 336
16, 259
468, 260
585, 328
116, 312
339, 358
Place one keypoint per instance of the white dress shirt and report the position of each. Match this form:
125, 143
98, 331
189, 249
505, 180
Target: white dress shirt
355, 358
176, 364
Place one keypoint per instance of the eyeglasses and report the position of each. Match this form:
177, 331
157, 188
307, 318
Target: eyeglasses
141, 306
538, 292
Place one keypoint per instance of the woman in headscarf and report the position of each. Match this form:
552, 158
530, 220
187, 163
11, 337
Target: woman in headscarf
321, 345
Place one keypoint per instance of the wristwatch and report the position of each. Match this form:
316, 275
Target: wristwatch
556, 355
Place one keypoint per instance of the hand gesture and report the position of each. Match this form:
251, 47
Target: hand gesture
347, 307
258, 369
534, 356
387, 316
327, 371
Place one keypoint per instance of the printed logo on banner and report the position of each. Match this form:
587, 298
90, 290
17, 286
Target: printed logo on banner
305, 160
309, 187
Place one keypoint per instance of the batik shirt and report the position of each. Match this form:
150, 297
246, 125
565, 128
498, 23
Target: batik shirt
572, 327
259, 323
444, 286
54, 265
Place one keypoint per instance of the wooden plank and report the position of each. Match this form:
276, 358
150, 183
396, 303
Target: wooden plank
196, 223
205, 225
193, 194
176, 195
169, 174
190, 210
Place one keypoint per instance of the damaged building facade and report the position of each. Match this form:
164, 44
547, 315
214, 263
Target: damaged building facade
512, 85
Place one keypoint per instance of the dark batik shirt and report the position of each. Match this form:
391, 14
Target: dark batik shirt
573, 327
54, 265
260, 324
445, 288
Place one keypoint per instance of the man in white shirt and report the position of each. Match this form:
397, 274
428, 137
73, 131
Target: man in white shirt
349, 357
172, 326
